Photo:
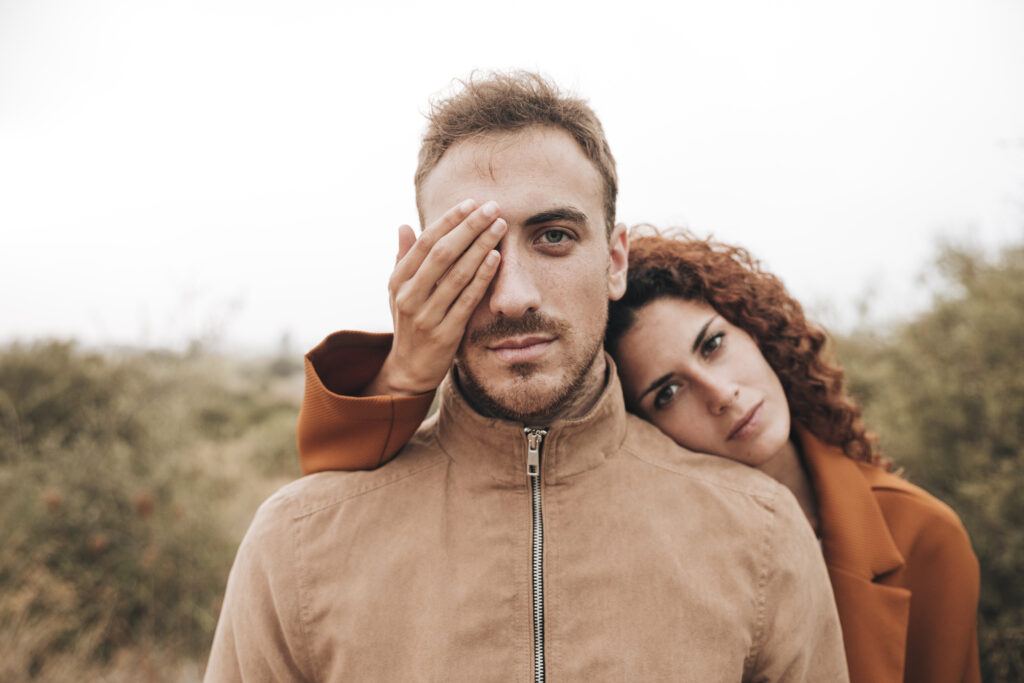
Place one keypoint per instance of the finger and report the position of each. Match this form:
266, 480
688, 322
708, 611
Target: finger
410, 263
406, 239
462, 273
447, 251
472, 294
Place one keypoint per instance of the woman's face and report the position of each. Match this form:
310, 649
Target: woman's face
703, 381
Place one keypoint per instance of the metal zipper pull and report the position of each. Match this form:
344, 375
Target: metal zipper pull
534, 437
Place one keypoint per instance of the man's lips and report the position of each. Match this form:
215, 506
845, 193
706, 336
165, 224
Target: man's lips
746, 424
521, 349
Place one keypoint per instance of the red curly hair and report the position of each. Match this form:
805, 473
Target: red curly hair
731, 281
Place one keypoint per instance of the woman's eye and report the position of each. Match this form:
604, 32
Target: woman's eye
554, 236
665, 395
712, 344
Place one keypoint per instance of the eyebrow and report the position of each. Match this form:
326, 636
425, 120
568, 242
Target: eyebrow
654, 385
700, 335
668, 375
561, 213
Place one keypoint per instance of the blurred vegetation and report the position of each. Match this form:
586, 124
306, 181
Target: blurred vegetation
127, 479
945, 394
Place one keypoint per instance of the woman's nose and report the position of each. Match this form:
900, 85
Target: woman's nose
721, 395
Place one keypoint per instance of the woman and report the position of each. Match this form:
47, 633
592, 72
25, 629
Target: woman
715, 352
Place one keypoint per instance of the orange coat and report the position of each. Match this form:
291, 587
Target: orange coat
904, 575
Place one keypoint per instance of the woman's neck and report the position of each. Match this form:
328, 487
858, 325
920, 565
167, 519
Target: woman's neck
787, 468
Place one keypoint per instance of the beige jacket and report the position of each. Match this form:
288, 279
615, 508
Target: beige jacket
903, 572
655, 564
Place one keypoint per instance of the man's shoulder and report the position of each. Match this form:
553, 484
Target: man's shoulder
323, 490
754, 518
647, 443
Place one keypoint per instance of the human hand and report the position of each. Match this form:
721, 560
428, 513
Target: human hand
437, 283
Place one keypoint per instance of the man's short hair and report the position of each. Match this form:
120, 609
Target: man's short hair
509, 102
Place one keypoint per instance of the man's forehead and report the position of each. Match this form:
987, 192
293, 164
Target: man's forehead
489, 156
544, 148
530, 164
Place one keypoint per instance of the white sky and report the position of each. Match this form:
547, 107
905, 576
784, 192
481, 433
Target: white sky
174, 169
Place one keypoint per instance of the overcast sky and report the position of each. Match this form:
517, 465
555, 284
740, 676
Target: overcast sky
237, 169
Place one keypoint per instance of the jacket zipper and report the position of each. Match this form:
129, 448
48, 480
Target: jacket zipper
534, 439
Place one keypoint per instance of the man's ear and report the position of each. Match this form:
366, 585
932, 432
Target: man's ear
618, 262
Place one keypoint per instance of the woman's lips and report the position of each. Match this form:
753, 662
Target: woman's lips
522, 350
747, 424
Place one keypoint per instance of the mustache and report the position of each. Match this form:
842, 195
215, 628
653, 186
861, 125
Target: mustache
503, 328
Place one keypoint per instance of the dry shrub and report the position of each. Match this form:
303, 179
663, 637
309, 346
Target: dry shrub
113, 547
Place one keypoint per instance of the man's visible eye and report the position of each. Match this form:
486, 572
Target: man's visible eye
712, 344
554, 236
666, 394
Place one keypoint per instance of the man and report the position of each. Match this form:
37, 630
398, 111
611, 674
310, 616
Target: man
531, 527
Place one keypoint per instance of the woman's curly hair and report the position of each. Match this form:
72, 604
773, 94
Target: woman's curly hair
731, 281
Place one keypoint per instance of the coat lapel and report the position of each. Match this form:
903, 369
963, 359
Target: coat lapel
860, 554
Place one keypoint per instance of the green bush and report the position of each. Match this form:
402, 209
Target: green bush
945, 393
113, 499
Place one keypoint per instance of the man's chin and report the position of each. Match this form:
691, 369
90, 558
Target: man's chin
519, 392
533, 392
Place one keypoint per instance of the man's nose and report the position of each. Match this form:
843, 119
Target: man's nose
514, 291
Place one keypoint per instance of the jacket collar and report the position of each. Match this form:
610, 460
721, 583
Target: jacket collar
497, 449
855, 535
861, 555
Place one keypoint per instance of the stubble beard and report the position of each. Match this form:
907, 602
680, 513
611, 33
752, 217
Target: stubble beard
528, 399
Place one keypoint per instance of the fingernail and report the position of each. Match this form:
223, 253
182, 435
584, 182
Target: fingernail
498, 226
492, 258
466, 206
490, 209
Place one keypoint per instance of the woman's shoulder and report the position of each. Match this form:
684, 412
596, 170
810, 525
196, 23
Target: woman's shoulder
917, 519
897, 492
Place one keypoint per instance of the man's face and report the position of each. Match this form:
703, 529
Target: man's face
530, 343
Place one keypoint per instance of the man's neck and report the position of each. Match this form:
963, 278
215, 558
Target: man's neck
586, 394
583, 397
